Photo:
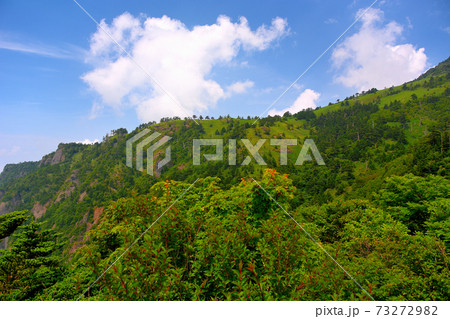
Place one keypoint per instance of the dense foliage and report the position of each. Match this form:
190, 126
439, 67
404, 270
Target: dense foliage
10, 222
31, 265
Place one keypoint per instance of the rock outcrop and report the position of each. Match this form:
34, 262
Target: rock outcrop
38, 210
54, 158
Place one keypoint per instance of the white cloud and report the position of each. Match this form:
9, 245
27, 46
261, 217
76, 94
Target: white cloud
181, 60
88, 141
372, 58
331, 21
9, 151
307, 99
238, 87
447, 29
26, 46
96, 110
410, 25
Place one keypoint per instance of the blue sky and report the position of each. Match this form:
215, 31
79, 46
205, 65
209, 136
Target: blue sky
62, 79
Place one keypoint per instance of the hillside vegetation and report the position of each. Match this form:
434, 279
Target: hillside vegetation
380, 208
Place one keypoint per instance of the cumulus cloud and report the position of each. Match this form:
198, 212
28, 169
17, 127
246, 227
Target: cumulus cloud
181, 59
239, 87
88, 141
372, 57
307, 99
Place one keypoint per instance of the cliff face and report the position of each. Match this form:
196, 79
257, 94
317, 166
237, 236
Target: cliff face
58, 157
13, 172
4, 209
8, 206
53, 158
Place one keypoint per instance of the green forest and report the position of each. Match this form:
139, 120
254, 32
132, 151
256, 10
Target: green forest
371, 224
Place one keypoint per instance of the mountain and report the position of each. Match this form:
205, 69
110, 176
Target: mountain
12, 172
387, 165
437, 71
